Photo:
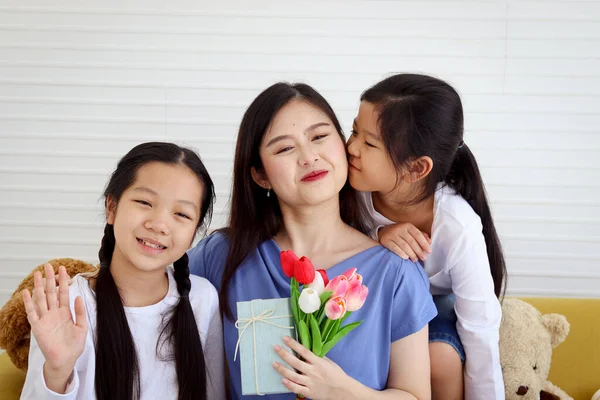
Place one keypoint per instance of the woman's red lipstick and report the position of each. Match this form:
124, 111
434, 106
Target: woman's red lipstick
314, 175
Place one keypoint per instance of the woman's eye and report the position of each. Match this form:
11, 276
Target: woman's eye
143, 202
183, 215
283, 150
319, 137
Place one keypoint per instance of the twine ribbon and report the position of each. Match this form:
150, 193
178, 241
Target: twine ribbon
245, 323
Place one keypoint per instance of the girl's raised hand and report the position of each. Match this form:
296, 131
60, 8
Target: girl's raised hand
406, 240
317, 378
61, 340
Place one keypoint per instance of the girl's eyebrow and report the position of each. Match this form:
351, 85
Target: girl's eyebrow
369, 133
145, 189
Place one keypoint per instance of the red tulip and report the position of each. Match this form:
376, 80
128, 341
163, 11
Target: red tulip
288, 262
304, 271
324, 276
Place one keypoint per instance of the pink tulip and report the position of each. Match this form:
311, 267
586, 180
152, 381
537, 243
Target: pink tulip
355, 297
350, 273
338, 285
356, 281
335, 308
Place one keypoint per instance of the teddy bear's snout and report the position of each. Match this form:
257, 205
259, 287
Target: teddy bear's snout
522, 390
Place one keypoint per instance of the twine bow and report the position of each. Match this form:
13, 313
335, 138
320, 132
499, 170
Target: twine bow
244, 323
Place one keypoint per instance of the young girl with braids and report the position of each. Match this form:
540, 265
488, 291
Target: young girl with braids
426, 201
142, 327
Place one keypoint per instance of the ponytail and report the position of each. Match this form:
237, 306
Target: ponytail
117, 374
181, 332
464, 177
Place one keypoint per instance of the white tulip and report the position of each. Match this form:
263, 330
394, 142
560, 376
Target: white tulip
317, 284
309, 301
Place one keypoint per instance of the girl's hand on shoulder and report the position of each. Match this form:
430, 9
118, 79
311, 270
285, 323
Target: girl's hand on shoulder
61, 340
317, 378
406, 240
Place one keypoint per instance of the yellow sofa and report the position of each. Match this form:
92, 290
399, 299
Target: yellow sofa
575, 363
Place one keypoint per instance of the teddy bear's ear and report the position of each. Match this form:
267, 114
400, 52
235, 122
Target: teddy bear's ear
558, 327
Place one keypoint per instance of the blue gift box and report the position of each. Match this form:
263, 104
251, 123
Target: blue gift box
261, 325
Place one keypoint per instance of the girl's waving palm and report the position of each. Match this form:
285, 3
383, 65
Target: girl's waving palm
60, 339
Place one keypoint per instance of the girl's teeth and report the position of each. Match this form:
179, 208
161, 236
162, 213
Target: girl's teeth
154, 246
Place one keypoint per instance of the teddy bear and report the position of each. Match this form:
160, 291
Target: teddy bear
14, 327
527, 338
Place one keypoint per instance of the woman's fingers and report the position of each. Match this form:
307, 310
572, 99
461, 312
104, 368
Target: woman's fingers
290, 374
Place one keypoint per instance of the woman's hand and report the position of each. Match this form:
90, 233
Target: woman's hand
61, 340
318, 378
406, 240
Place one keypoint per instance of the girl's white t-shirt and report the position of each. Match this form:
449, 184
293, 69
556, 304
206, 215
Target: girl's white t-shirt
458, 264
158, 379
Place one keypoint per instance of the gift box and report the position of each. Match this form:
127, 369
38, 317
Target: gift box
261, 325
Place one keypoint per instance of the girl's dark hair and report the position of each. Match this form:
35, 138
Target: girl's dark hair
117, 370
419, 116
255, 217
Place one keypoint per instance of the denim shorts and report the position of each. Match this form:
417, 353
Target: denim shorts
443, 327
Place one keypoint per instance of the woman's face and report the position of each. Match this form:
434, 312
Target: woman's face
303, 156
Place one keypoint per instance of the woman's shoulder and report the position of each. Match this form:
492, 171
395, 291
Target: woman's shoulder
215, 243
381, 260
207, 258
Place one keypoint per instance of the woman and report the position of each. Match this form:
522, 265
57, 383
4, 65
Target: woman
290, 192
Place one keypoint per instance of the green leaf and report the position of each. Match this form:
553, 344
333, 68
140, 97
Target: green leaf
304, 335
325, 296
338, 336
294, 301
335, 327
295, 295
294, 305
328, 326
317, 344
348, 313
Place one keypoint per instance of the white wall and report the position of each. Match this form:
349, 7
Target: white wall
80, 85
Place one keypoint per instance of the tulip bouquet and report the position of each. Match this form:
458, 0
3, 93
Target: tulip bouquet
320, 308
